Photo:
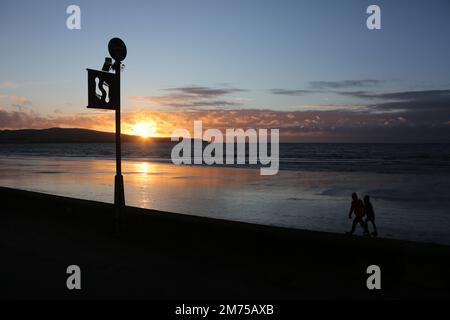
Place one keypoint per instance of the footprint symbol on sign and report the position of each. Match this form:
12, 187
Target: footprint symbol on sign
102, 90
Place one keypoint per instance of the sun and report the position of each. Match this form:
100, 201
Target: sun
144, 129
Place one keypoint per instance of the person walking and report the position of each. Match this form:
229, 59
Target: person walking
357, 207
370, 215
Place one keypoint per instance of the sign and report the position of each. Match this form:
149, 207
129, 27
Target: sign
103, 90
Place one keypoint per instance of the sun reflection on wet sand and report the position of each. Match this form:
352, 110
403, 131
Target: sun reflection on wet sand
145, 168
147, 184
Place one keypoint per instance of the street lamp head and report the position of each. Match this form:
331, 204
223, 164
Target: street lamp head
117, 49
107, 65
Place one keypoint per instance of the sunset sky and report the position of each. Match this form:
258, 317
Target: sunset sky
310, 68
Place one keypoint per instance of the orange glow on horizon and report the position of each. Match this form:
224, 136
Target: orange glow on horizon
294, 126
145, 129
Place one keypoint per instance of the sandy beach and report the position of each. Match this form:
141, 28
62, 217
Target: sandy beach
161, 255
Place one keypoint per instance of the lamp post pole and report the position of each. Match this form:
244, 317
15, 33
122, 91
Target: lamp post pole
119, 194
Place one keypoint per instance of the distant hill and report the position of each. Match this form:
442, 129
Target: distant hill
66, 135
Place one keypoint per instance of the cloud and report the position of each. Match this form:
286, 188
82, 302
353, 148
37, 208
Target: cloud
8, 85
192, 97
291, 92
425, 95
327, 86
337, 123
329, 107
20, 101
182, 101
420, 106
14, 85
425, 106
308, 126
28, 119
344, 84
205, 91
17, 101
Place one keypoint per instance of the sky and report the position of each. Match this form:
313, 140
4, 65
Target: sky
309, 68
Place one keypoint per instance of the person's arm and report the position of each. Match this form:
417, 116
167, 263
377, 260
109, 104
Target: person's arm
351, 211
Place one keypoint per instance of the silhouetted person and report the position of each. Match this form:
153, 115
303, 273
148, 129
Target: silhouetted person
370, 215
357, 208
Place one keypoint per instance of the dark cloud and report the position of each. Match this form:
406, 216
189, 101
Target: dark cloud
357, 94
325, 86
429, 106
192, 97
204, 91
344, 84
291, 92
426, 95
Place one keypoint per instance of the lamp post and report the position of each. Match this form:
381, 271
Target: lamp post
119, 194
99, 81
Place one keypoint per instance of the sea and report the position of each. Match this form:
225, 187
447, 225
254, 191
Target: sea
409, 184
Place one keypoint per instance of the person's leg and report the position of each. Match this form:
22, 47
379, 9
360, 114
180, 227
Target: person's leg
374, 228
355, 221
364, 226
367, 224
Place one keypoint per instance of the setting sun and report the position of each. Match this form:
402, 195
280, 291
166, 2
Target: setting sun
144, 129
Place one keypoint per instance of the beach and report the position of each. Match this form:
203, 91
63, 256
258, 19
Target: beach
161, 255
408, 184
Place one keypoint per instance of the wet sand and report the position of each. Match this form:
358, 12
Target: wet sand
295, 199
161, 255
